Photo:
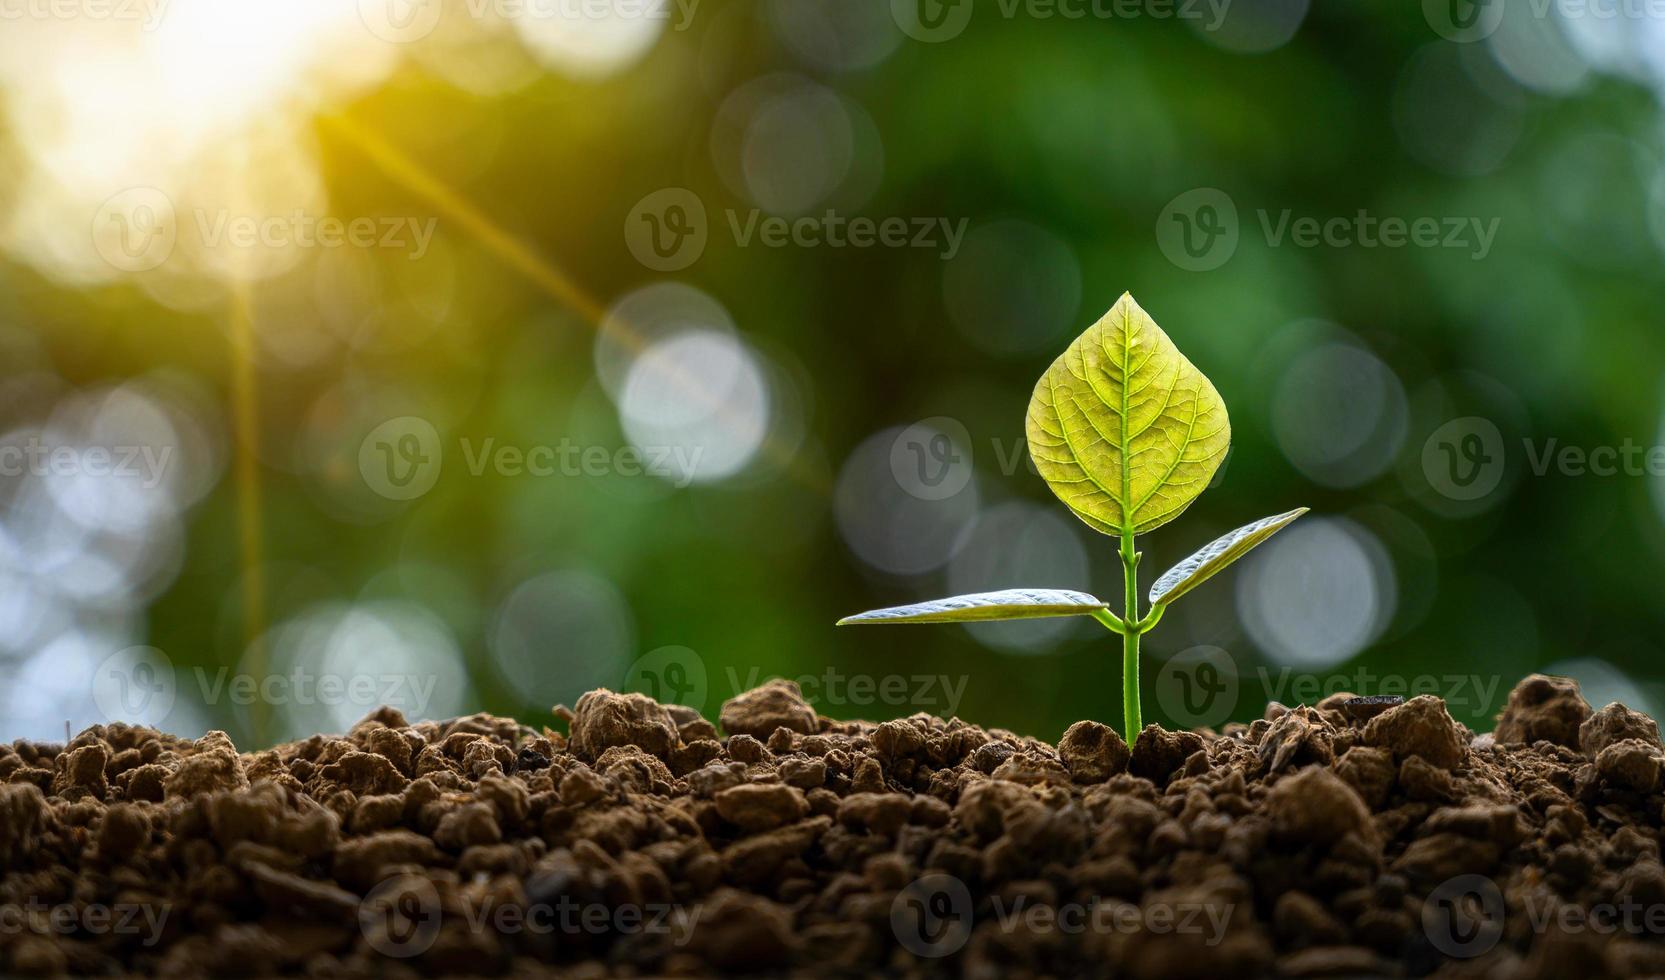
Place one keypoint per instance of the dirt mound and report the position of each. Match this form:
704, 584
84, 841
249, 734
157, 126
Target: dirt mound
1346, 838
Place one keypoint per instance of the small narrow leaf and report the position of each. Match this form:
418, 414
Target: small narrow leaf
985, 606
1216, 555
1123, 428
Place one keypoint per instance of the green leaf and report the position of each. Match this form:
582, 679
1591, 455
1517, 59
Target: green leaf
984, 606
1124, 429
1216, 555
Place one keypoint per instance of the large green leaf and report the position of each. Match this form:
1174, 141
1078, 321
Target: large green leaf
1216, 555
1124, 429
984, 606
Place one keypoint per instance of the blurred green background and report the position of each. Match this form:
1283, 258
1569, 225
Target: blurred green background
309, 270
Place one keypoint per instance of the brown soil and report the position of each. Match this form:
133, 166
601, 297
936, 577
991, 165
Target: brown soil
1338, 839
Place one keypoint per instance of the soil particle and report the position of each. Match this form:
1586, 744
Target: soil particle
760, 711
1366, 708
1420, 727
1093, 752
1632, 764
1369, 771
1158, 753
1312, 843
1615, 723
1316, 806
761, 806
602, 720
1541, 708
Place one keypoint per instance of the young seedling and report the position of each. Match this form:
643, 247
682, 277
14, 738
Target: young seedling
1127, 433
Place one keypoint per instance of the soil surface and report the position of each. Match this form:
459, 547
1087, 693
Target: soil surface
1339, 839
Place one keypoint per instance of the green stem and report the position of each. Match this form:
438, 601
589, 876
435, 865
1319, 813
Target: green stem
1130, 638
1110, 620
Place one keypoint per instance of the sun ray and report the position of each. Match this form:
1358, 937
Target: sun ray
456, 208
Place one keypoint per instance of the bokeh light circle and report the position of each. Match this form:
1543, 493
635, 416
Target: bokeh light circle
1020, 545
885, 525
1339, 415
697, 405
1317, 593
560, 634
